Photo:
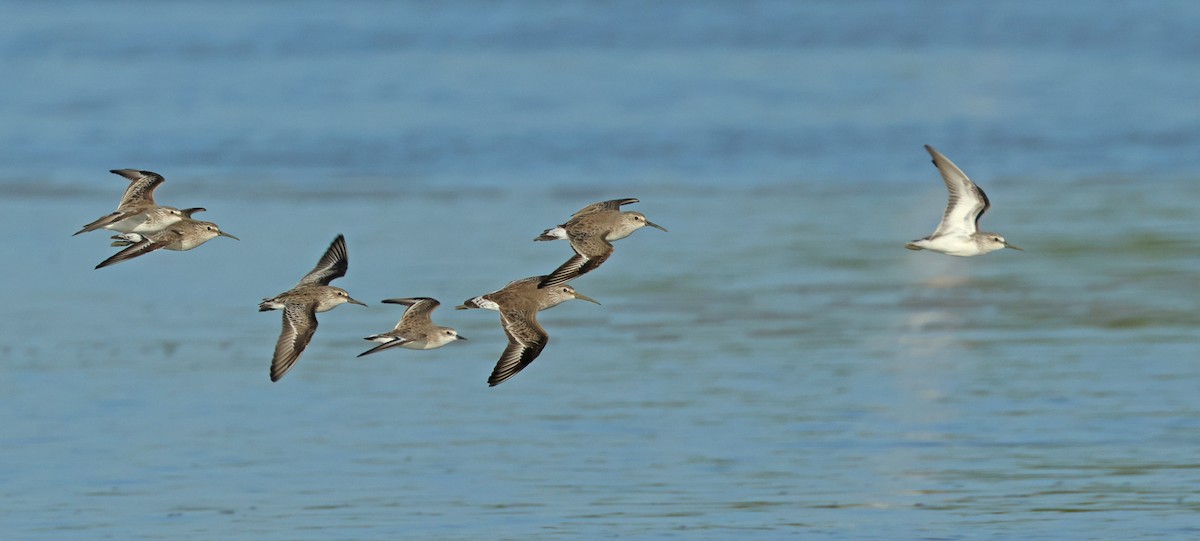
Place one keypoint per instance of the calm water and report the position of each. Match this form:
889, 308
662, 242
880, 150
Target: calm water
777, 366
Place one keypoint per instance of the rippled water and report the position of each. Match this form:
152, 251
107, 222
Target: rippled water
776, 366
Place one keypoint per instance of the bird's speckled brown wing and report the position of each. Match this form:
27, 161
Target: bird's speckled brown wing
526, 339
611, 204
141, 187
299, 324
332, 265
149, 243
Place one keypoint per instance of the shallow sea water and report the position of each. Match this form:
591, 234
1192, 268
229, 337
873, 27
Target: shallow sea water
776, 366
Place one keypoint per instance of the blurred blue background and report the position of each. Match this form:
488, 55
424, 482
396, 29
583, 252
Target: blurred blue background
776, 366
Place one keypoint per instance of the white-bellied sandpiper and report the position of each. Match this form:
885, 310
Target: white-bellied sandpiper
415, 330
137, 212
958, 233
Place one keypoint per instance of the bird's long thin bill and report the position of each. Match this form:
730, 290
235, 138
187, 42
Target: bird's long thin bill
583, 297
224, 234
461, 337
1014, 247
656, 226
360, 303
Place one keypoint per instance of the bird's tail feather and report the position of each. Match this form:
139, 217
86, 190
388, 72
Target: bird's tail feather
554, 233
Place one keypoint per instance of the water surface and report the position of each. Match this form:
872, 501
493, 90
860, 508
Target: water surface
776, 366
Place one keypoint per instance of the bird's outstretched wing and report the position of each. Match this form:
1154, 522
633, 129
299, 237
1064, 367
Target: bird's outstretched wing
141, 186
419, 309
967, 202
299, 324
142, 247
526, 339
611, 204
332, 265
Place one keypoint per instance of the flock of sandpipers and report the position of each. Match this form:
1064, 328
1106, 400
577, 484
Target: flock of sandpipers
144, 226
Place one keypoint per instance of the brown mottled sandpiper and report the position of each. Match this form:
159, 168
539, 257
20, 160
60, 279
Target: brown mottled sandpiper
591, 231
518, 304
301, 303
182, 235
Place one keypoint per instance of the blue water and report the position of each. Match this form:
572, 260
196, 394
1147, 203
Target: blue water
776, 366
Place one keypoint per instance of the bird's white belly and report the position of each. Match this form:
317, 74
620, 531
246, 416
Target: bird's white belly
132, 224
187, 243
325, 305
418, 344
145, 222
617, 235
957, 245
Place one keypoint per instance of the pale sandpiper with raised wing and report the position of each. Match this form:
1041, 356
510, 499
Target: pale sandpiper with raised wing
958, 233
137, 212
415, 330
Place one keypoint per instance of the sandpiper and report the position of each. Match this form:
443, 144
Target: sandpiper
591, 231
518, 304
137, 212
414, 330
182, 235
301, 303
958, 233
